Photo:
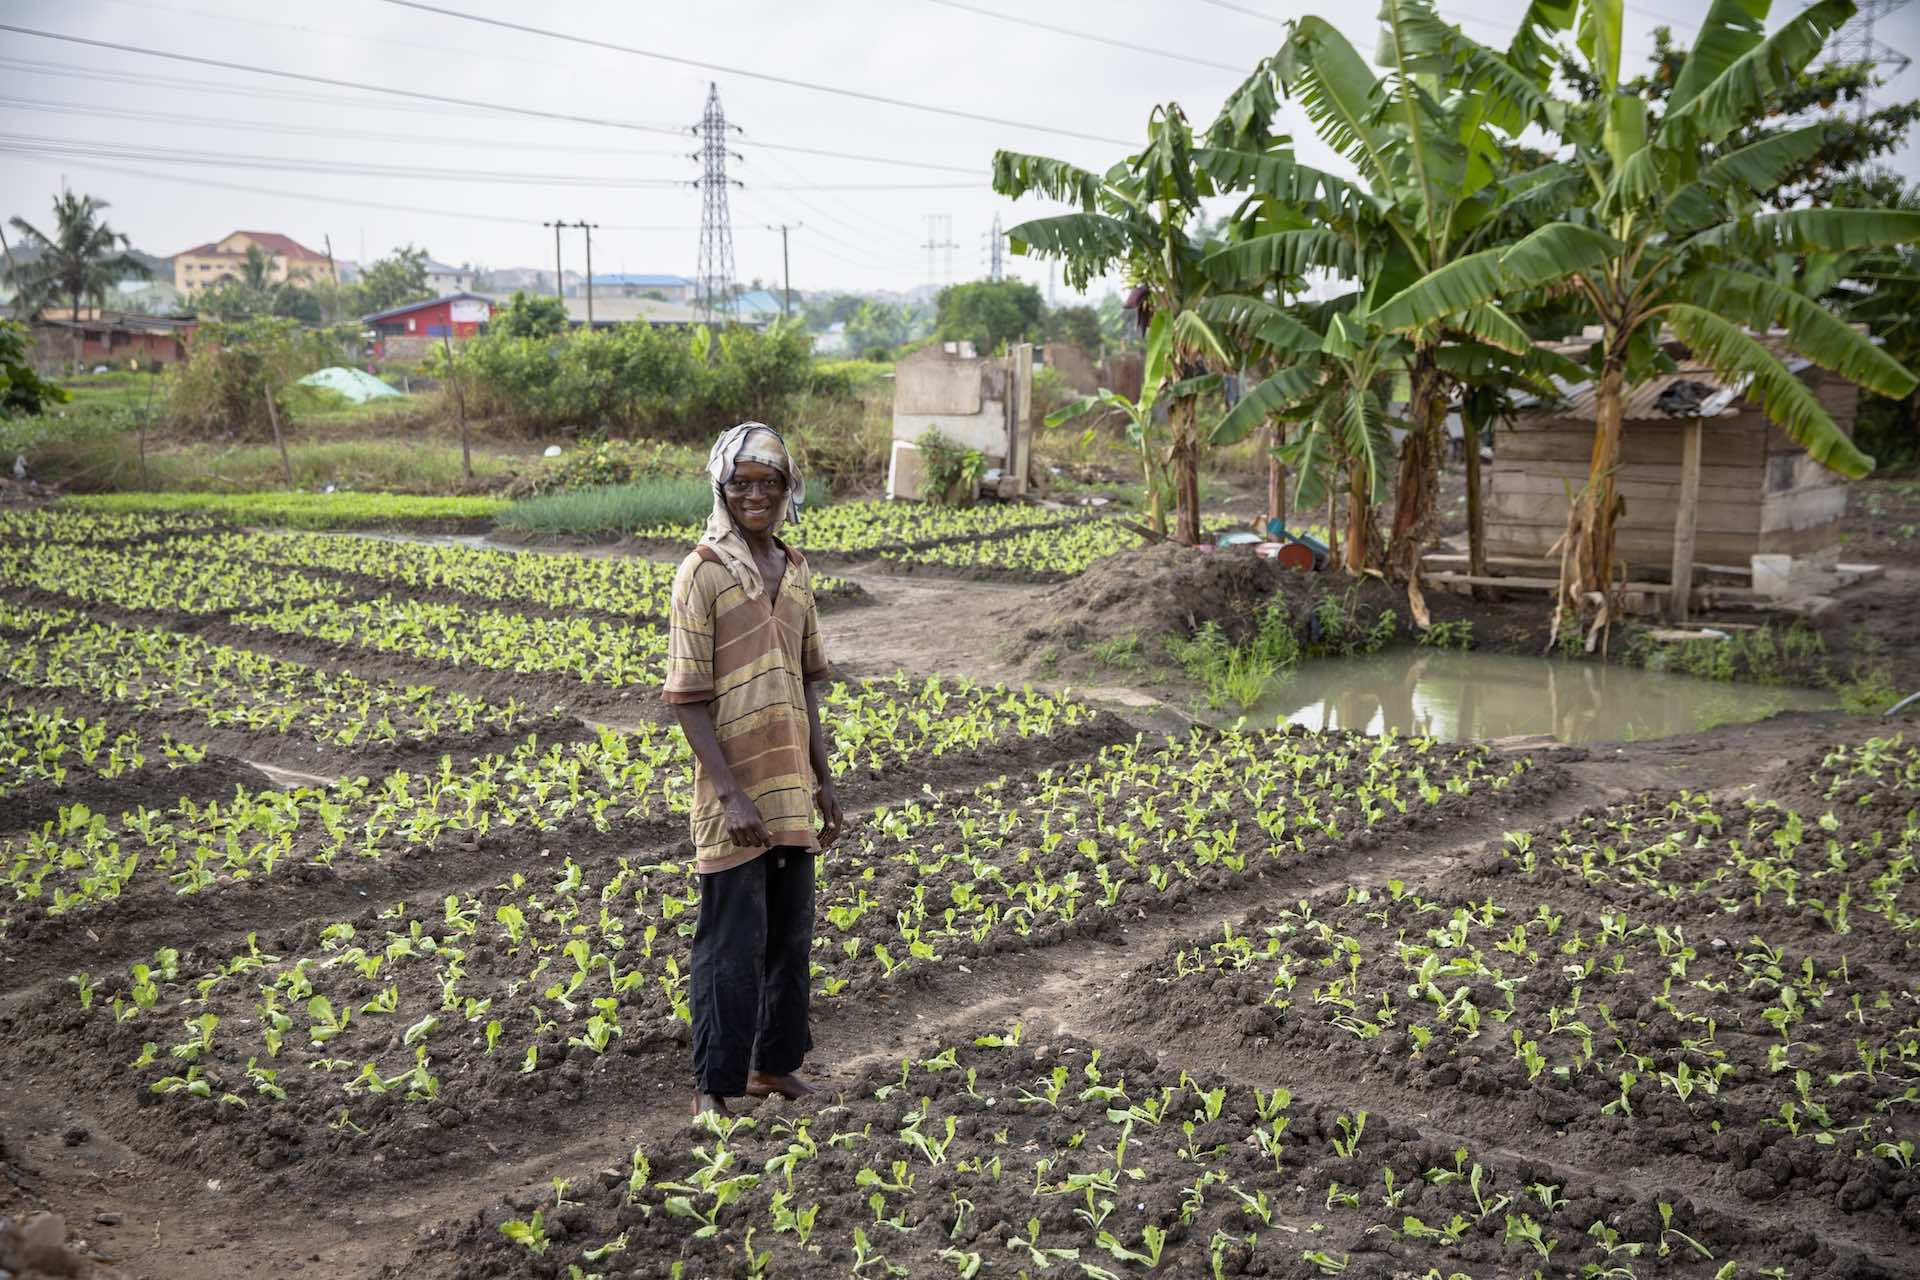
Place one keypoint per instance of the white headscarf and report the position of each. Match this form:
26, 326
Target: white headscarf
748, 442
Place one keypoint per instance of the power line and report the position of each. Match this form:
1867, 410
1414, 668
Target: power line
449, 100
85, 149
282, 193
858, 95
33, 66
236, 160
319, 131
1109, 41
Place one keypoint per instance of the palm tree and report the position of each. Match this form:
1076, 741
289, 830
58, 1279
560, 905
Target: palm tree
80, 261
1667, 234
1138, 216
256, 273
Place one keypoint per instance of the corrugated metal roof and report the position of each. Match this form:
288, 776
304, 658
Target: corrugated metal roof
1692, 390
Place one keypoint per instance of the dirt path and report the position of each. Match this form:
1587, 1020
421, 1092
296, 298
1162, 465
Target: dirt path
925, 626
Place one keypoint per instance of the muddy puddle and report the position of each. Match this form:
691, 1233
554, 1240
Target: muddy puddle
1460, 696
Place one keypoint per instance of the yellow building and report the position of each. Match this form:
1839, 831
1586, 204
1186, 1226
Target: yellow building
206, 265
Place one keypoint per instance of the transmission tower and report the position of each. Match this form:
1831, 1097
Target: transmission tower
939, 237
996, 263
714, 286
1856, 43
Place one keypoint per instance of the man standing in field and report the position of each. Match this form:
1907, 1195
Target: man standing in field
744, 661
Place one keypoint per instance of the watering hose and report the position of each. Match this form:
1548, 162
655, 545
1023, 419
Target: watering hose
1901, 705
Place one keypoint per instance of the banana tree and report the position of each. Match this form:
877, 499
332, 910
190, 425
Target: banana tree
1435, 184
1143, 433
1669, 236
1136, 217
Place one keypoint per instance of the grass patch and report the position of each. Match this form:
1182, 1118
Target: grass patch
615, 508
301, 510
1761, 655
1867, 691
1239, 675
1121, 652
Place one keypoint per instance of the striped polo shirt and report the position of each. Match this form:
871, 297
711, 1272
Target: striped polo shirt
753, 662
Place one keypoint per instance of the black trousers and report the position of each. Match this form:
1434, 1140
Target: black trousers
752, 956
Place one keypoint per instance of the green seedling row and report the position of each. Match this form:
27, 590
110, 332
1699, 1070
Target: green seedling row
616, 585
619, 655
1753, 864
580, 964
999, 1158
150, 669
138, 579
1602, 1020
1062, 551
1030, 859
298, 510
39, 526
84, 859
50, 746
850, 528
1878, 767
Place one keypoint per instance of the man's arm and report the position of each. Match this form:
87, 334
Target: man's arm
827, 798
744, 824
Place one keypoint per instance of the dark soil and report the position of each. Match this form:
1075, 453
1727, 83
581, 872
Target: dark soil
155, 786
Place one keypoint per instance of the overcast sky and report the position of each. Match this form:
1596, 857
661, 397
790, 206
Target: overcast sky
186, 153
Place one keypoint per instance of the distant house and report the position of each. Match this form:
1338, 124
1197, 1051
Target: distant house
445, 280
110, 337
407, 331
670, 288
205, 265
759, 306
619, 309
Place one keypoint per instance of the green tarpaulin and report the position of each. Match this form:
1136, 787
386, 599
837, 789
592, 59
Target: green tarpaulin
352, 383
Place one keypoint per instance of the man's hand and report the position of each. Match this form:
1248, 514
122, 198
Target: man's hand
744, 825
829, 805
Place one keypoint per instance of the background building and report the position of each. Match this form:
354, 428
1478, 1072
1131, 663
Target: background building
206, 265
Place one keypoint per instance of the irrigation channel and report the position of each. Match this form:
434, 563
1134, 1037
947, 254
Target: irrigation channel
1461, 697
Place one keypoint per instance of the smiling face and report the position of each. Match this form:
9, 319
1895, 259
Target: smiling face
754, 496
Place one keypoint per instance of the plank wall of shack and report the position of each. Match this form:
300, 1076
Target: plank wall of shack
1759, 491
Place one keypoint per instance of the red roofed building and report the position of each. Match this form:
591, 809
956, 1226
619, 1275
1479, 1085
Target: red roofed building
206, 265
408, 331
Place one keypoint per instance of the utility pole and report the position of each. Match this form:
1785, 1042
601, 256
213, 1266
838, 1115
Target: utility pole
333, 273
996, 265
786, 268
559, 281
588, 228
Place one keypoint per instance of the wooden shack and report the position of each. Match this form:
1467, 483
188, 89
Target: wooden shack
1705, 476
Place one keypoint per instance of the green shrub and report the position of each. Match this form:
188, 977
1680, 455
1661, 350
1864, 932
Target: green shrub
635, 378
609, 462
231, 369
614, 509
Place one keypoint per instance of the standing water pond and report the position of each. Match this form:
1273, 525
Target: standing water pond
1459, 696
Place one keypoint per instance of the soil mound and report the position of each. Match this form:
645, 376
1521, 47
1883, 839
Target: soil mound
1167, 589
1164, 589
